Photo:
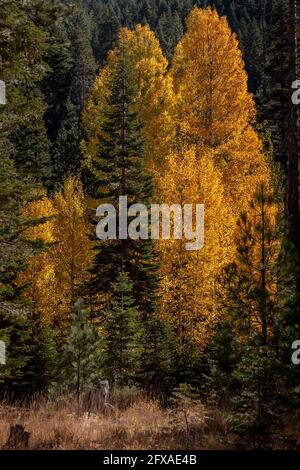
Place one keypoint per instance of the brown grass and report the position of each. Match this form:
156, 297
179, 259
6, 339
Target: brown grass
144, 424
135, 422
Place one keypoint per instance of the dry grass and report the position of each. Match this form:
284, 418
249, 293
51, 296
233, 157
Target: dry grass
141, 425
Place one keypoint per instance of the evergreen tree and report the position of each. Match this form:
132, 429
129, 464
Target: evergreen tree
41, 370
275, 100
15, 332
31, 150
257, 290
81, 360
66, 88
159, 356
84, 65
120, 172
221, 359
66, 156
123, 334
23, 45
18, 328
24, 64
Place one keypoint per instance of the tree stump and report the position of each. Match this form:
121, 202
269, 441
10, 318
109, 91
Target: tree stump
18, 438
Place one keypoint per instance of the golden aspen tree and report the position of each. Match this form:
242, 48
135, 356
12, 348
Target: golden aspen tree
215, 111
55, 275
188, 277
72, 253
39, 274
154, 99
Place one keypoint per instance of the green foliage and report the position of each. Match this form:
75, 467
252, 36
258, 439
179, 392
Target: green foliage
247, 365
184, 396
15, 332
222, 357
159, 355
123, 334
41, 370
258, 378
24, 45
31, 356
65, 152
119, 170
82, 357
274, 99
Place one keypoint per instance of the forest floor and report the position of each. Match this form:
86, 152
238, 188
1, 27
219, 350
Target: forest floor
143, 425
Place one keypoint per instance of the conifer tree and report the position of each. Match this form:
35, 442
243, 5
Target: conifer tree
42, 368
81, 360
123, 334
66, 156
120, 171
23, 46
30, 348
257, 290
274, 103
118, 163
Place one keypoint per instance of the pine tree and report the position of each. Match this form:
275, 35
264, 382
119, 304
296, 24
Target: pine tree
32, 148
275, 102
66, 156
84, 65
257, 292
23, 66
18, 328
123, 334
41, 371
120, 171
158, 358
118, 163
15, 332
23, 48
81, 360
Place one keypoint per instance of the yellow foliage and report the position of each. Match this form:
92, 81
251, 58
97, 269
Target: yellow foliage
215, 111
218, 161
154, 100
188, 277
56, 274
40, 270
73, 252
